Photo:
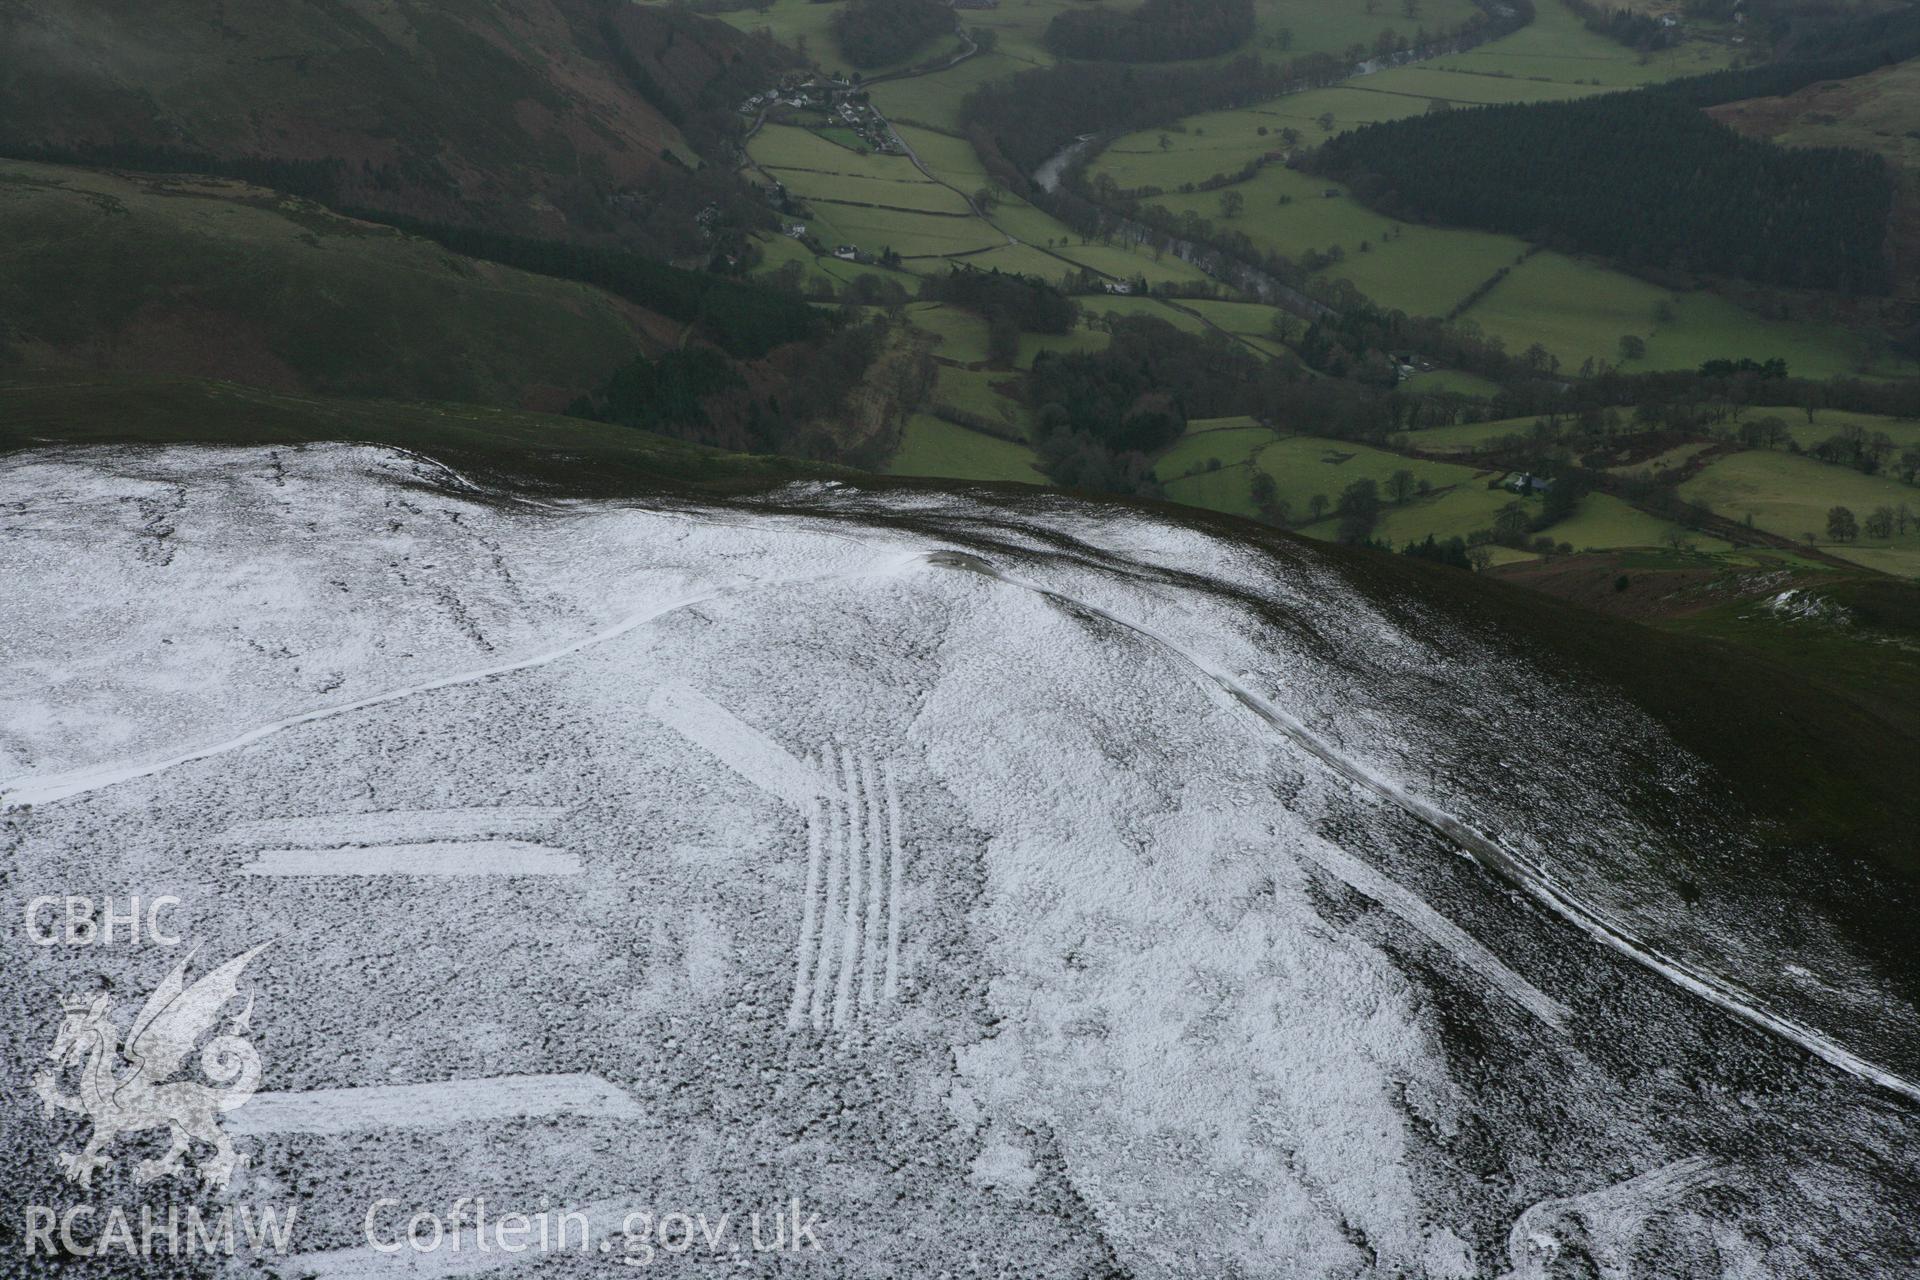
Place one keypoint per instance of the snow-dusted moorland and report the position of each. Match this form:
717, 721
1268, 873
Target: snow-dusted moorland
1029, 890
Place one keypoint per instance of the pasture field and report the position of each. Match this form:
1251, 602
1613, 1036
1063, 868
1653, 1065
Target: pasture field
973, 391
951, 159
1288, 212
1707, 326
1126, 263
1556, 48
1452, 513
1604, 522
962, 335
837, 272
1019, 28
785, 146
1905, 434
911, 235
1465, 437
1228, 490
934, 100
1417, 269
1079, 338
1319, 27
1426, 271
1024, 222
930, 447
1218, 142
842, 136
917, 195
1425, 81
1242, 319
1205, 441
1022, 258
1453, 381
1302, 466
1249, 322
1266, 347
1576, 310
1106, 304
1790, 496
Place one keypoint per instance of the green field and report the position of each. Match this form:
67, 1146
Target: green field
951, 159
1126, 263
1243, 319
935, 100
1220, 142
824, 269
962, 335
1467, 436
1579, 310
1790, 496
1108, 304
1455, 513
1021, 258
1557, 49
1454, 382
911, 235
1576, 310
874, 202
1605, 522
785, 146
1302, 466
930, 447
1319, 27
916, 194
1904, 433
974, 391
1080, 338
1228, 441
1707, 326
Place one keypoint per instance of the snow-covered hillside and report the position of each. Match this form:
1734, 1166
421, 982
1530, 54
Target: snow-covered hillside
1035, 890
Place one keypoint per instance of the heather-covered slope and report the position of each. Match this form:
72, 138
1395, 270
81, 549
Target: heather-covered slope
213, 278
530, 115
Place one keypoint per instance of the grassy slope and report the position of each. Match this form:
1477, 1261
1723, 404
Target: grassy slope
1790, 496
224, 280
931, 447
219, 279
506, 109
